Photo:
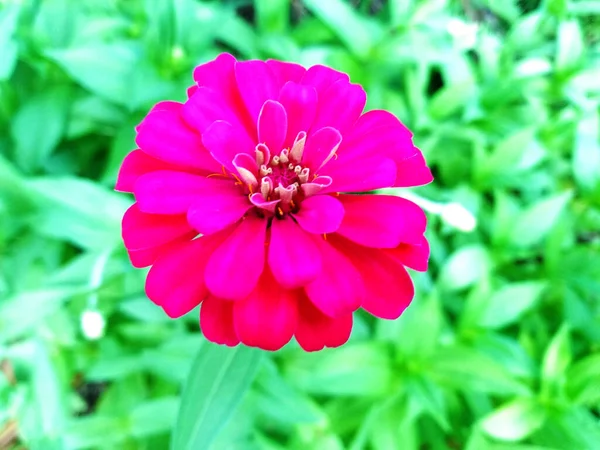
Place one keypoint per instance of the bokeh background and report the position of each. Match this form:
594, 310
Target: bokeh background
500, 349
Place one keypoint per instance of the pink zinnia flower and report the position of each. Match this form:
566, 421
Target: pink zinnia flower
239, 205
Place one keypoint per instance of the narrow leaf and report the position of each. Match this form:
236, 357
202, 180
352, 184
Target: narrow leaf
219, 378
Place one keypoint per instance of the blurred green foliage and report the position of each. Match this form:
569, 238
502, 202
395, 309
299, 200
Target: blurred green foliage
501, 347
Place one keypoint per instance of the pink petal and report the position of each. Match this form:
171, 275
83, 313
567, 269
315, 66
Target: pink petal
320, 214
136, 164
167, 105
381, 221
315, 330
378, 119
219, 76
141, 230
293, 256
414, 256
207, 106
257, 84
316, 185
360, 175
224, 141
339, 289
216, 321
340, 106
174, 282
191, 90
321, 147
235, 267
300, 102
285, 71
389, 289
259, 201
322, 77
169, 192
163, 135
146, 257
378, 133
272, 125
413, 172
267, 317
247, 169
215, 211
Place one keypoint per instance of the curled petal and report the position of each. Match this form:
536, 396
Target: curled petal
317, 185
259, 201
321, 147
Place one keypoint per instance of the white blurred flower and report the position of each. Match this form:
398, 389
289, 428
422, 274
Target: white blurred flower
463, 33
459, 217
92, 324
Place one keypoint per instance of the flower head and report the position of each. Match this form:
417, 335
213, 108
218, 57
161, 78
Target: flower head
246, 204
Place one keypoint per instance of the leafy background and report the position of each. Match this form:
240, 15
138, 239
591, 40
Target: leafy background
500, 349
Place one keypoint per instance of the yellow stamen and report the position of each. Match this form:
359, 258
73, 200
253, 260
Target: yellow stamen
325, 236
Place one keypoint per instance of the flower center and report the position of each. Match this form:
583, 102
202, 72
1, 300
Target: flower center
280, 177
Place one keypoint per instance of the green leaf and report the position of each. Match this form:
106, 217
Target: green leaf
25, 311
536, 221
8, 45
218, 380
465, 267
38, 127
556, 7
515, 420
509, 153
570, 46
582, 380
555, 363
104, 69
154, 416
96, 431
450, 99
281, 403
353, 370
79, 211
352, 29
466, 369
272, 15
586, 155
506, 305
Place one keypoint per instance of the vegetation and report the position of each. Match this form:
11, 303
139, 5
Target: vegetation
500, 349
